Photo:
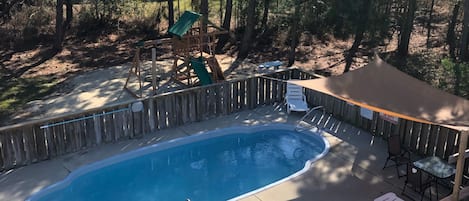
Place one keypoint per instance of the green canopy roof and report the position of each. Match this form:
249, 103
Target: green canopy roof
185, 22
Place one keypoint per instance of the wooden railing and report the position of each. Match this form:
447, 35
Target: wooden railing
30, 142
34, 141
422, 139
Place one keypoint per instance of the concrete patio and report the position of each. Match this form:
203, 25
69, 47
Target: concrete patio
352, 170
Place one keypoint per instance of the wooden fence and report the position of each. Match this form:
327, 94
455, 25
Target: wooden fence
422, 139
34, 141
30, 142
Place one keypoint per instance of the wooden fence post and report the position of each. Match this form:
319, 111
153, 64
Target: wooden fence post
97, 129
151, 118
137, 112
460, 164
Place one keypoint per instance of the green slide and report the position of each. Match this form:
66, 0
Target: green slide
198, 65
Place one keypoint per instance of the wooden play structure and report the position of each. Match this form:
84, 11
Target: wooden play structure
194, 61
193, 49
135, 71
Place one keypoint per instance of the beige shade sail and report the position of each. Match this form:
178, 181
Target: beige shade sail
383, 88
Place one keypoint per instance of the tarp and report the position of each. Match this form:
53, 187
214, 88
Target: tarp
383, 88
184, 23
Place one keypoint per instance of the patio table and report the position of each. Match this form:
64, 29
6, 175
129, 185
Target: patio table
436, 168
267, 65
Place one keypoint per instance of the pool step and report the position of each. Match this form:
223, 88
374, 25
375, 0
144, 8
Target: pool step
303, 119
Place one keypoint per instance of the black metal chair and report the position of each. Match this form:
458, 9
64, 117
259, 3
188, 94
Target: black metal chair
396, 153
417, 180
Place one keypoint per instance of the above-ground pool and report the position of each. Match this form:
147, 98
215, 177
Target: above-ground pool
217, 165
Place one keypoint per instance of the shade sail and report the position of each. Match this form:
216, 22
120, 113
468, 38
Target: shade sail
383, 88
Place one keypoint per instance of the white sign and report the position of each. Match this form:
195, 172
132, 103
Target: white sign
366, 113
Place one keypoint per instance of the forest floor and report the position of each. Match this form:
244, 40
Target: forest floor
34, 76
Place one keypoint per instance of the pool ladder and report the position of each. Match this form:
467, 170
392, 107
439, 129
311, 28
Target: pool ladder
307, 114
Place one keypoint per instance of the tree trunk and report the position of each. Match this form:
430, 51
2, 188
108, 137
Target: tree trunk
353, 50
195, 5
96, 9
59, 25
204, 12
294, 33
223, 39
179, 8
203, 24
221, 11
227, 21
457, 80
429, 23
265, 14
451, 34
359, 34
248, 31
5, 14
406, 29
170, 13
68, 14
463, 55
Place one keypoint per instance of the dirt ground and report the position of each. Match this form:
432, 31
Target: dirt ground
104, 86
98, 78
91, 72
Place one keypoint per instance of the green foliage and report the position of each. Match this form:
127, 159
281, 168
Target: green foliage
339, 17
344, 16
136, 16
38, 21
96, 15
142, 17
29, 21
87, 22
455, 77
317, 12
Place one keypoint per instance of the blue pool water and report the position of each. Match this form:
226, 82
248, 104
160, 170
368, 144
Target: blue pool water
218, 165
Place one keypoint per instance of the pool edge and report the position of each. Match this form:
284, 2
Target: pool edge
308, 164
181, 141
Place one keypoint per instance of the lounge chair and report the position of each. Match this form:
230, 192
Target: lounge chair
417, 180
295, 99
396, 153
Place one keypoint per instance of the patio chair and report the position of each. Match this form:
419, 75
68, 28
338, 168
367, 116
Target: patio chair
396, 154
417, 180
295, 99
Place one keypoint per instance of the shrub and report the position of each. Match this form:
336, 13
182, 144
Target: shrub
455, 77
27, 23
143, 17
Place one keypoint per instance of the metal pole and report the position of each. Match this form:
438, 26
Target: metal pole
82, 118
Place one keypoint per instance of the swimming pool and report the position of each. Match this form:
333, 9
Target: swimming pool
218, 165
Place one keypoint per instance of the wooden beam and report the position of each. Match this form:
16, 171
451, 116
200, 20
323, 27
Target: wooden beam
460, 164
